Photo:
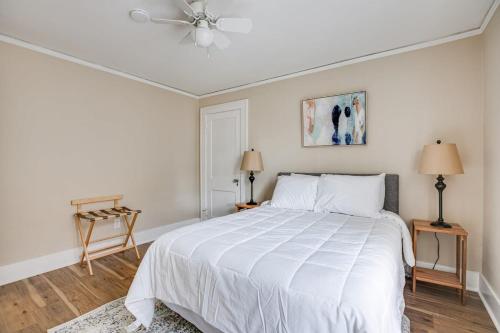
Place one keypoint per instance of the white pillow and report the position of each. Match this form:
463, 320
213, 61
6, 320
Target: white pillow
352, 195
295, 192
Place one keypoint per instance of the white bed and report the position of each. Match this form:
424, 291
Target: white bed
279, 270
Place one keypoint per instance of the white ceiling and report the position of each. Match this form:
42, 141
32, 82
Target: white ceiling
288, 35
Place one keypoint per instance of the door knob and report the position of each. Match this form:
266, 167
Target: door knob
236, 181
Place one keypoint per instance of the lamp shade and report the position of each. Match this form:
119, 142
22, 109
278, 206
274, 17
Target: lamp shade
441, 159
252, 161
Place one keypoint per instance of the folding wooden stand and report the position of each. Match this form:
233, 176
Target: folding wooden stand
92, 216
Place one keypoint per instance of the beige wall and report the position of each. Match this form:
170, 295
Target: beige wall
67, 131
491, 242
413, 99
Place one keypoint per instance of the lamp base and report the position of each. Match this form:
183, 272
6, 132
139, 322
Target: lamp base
441, 224
251, 202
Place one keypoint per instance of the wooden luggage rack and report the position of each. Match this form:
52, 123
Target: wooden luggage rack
127, 215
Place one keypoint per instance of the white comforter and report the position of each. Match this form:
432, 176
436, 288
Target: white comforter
278, 270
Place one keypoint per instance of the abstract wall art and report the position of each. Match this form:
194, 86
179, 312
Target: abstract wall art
336, 120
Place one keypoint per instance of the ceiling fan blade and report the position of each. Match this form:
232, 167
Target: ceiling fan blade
243, 25
163, 20
187, 39
221, 40
185, 7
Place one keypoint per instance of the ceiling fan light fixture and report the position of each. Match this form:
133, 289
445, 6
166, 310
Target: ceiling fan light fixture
203, 36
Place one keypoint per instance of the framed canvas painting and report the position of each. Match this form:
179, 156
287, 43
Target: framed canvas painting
334, 121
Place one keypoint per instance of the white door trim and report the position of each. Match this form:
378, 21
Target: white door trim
242, 105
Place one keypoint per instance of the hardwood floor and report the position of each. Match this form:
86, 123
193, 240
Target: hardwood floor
46, 300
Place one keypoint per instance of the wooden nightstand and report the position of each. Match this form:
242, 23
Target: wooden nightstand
242, 206
454, 280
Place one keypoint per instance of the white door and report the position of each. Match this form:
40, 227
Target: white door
223, 141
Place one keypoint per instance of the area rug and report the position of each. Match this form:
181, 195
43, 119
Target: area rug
113, 317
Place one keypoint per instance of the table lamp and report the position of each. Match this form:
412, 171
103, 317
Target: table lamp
440, 159
252, 161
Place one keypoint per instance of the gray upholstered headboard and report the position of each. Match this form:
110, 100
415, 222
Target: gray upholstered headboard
391, 187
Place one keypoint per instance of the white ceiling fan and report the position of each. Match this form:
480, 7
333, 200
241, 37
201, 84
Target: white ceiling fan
206, 27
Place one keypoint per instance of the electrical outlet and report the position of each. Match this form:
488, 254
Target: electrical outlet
117, 224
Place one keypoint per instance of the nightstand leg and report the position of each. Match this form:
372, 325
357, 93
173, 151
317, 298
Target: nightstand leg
414, 271
459, 258
459, 261
464, 268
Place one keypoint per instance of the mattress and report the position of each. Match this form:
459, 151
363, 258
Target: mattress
279, 270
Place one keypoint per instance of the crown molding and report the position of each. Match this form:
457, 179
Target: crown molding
352, 61
347, 62
373, 56
63, 56
489, 15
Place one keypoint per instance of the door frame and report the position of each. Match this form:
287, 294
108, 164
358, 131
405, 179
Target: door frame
242, 105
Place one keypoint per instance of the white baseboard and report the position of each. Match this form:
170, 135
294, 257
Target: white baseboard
31, 267
472, 276
478, 283
490, 300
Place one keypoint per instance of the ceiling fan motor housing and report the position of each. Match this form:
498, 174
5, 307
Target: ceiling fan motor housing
198, 7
